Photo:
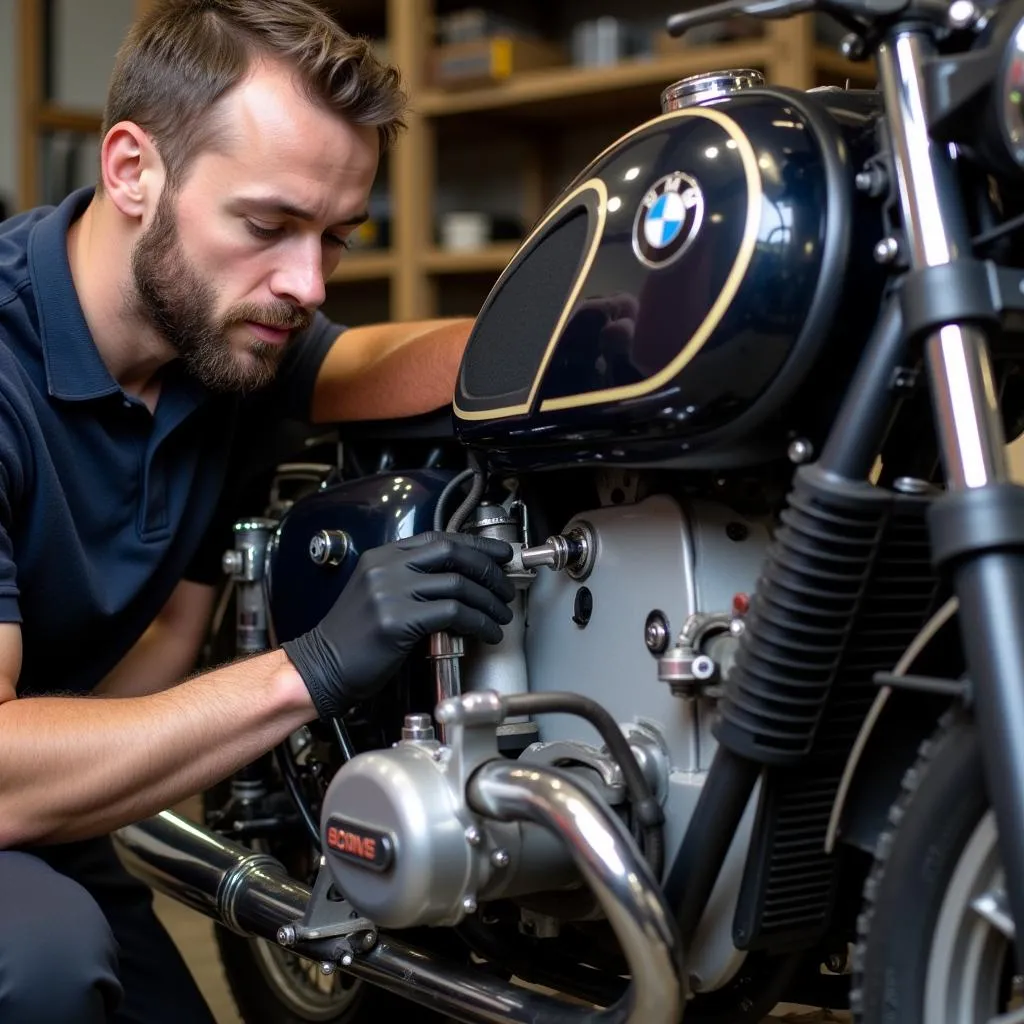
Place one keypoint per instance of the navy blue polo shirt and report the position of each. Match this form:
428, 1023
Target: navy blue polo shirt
103, 505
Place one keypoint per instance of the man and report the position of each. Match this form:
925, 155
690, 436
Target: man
136, 326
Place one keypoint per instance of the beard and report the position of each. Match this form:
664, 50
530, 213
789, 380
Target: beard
173, 298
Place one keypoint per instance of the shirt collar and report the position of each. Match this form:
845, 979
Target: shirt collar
75, 371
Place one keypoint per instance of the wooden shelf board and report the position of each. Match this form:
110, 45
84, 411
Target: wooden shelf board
52, 117
555, 86
364, 266
533, 88
493, 258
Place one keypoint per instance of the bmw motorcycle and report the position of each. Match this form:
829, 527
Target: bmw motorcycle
740, 404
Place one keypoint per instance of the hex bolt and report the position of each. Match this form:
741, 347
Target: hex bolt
500, 858
473, 836
369, 939
286, 935
469, 905
327, 968
346, 960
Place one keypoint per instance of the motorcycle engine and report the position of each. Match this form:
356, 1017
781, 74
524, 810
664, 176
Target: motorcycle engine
636, 606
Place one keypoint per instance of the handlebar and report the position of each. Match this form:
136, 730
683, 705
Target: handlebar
860, 13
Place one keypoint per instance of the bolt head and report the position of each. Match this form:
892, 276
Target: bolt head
232, 562
473, 836
886, 250
346, 960
656, 633
286, 935
800, 451
962, 13
327, 968
500, 858
703, 667
852, 46
469, 905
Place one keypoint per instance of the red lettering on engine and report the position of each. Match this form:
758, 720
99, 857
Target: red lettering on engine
363, 847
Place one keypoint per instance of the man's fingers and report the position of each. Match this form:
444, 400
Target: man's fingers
452, 616
439, 586
475, 561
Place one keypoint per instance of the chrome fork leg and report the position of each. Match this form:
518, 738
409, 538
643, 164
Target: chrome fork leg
977, 527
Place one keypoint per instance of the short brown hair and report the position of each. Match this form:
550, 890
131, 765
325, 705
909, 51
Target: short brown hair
182, 56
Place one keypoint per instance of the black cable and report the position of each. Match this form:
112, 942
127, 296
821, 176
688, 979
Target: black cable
646, 808
472, 499
289, 771
449, 490
997, 232
348, 751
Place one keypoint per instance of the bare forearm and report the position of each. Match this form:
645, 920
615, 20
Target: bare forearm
392, 376
73, 767
168, 651
160, 659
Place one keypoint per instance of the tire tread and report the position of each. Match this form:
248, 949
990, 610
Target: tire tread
909, 785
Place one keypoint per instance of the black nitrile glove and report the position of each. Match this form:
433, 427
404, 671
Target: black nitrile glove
398, 594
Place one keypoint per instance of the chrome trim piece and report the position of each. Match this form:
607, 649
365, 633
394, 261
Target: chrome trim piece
966, 408
924, 169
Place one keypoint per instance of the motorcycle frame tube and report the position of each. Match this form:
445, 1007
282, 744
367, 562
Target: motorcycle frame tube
870, 402
252, 894
988, 579
695, 868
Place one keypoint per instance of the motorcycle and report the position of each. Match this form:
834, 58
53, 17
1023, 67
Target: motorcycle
740, 404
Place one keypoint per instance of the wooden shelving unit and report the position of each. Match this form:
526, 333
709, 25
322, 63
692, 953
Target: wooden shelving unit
546, 91
531, 104
493, 257
364, 266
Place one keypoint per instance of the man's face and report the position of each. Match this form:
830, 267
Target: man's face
235, 261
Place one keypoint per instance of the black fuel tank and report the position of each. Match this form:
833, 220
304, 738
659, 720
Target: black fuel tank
703, 274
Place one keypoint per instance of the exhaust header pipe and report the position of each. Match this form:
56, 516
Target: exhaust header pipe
253, 894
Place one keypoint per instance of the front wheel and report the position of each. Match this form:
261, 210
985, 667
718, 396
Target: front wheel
935, 940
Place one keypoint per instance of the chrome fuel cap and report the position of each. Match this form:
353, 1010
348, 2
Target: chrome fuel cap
710, 85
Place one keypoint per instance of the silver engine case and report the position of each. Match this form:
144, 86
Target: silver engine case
433, 860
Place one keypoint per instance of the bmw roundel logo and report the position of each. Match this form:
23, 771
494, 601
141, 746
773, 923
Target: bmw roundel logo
668, 219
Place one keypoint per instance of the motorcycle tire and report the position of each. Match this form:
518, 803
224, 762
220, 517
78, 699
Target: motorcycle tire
923, 952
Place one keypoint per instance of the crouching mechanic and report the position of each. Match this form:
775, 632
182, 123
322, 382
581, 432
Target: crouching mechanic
140, 323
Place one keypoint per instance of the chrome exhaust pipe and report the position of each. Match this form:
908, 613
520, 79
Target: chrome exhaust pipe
253, 894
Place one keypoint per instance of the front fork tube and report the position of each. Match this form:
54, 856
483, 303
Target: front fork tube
977, 532
977, 526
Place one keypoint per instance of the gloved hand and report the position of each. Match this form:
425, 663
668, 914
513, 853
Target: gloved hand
398, 594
